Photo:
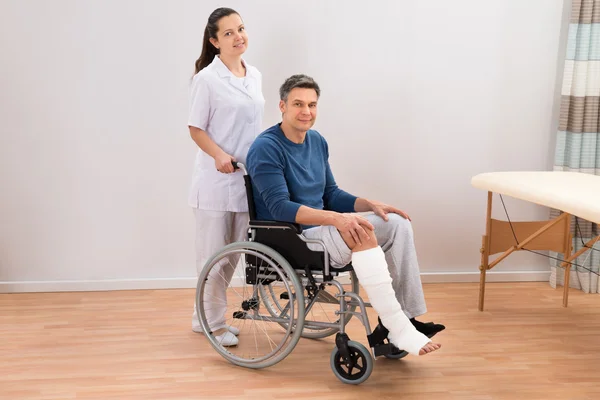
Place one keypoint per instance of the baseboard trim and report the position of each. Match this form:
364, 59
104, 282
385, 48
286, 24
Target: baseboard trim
491, 276
97, 286
188, 283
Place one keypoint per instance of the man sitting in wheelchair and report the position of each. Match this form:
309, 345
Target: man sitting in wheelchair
293, 182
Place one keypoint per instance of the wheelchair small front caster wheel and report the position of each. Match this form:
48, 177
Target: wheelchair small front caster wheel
357, 368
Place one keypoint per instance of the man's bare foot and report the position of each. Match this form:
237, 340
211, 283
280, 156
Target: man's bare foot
429, 347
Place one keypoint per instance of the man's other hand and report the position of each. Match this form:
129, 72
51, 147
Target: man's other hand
382, 209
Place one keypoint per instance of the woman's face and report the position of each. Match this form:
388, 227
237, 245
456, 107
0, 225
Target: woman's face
232, 39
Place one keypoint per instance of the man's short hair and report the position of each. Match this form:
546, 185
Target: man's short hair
298, 81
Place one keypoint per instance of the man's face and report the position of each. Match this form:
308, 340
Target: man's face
300, 109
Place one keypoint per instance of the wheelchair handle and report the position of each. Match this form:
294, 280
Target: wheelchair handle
239, 165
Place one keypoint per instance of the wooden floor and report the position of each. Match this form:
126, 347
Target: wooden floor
139, 345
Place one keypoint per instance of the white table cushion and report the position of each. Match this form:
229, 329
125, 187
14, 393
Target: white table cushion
575, 193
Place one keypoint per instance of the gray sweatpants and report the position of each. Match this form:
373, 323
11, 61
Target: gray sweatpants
396, 240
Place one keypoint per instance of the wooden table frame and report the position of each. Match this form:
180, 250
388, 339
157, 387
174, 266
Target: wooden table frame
553, 235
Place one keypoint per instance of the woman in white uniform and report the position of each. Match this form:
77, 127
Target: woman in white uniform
225, 116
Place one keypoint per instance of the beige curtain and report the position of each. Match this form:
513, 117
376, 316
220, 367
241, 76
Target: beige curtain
578, 144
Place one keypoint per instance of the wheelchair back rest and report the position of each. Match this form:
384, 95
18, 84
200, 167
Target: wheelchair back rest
285, 241
250, 197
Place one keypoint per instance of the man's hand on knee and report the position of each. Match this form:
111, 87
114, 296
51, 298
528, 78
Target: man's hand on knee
355, 229
379, 208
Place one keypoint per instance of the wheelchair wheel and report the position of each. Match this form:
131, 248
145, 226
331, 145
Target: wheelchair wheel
360, 367
321, 305
230, 296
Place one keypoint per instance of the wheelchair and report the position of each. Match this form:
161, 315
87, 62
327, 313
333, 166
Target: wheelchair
286, 289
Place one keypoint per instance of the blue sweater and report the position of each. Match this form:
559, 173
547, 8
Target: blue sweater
286, 175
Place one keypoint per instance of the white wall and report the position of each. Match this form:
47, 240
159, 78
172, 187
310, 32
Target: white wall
95, 157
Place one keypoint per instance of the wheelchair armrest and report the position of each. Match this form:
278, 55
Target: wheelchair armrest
276, 225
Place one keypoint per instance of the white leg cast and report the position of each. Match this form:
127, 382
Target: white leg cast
373, 274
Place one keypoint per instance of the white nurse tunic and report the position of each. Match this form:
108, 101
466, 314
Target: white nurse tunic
230, 110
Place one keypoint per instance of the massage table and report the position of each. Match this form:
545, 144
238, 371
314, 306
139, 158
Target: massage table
572, 193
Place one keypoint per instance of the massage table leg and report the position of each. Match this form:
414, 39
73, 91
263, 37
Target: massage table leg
567, 254
485, 253
566, 287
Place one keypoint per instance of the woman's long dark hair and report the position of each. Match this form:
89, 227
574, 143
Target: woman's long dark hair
212, 27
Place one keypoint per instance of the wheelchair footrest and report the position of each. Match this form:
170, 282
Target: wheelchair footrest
378, 336
379, 342
383, 349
